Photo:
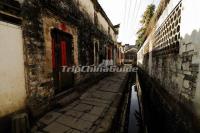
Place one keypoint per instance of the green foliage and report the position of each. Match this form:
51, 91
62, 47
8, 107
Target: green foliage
149, 18
147, 15
146, 18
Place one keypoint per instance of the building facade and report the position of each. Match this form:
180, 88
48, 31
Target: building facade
130, 54
40, 36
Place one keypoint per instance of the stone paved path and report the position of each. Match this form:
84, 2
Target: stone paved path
93, 112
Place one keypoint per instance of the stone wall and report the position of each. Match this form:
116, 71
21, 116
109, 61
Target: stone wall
39, 17
162, 113
170, 55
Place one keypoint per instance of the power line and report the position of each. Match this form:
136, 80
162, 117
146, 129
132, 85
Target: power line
126, 15
138, 9
130, 6
137, 13
125, 7
131, 15
140, 2
124, 19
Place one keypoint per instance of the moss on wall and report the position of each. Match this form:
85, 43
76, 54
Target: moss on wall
40, 87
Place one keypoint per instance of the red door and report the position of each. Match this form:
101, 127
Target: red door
62, 55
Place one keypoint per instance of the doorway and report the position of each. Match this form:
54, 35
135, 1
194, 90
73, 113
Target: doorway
62, 55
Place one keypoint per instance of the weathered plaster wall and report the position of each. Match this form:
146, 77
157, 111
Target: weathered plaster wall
39, 17
12, 75
142, 52
50, 22
113, 34
102, 22
172, 59
190, 50
87, 6
39, 84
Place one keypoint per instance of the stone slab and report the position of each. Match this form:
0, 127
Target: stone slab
67, 120
49, 117
90, 117
98, 110
94, 103
74, 123
83, 125
95, 109
65, 109
74, 131
104, 95
56, 127
98, 100
83, 107
74, 113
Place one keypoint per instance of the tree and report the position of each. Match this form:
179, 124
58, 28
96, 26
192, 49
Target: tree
146, 18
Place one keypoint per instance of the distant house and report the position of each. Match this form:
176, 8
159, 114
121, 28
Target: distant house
130, 54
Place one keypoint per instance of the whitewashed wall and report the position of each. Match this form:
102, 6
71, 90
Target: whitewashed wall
190, 32
181, 63
88, 7
12, 79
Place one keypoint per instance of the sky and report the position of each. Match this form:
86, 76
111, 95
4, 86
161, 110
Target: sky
127, 13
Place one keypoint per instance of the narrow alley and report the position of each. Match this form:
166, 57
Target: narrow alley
99, 66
